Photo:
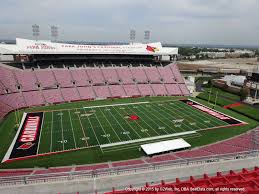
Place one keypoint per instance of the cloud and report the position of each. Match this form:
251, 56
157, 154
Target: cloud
171, 21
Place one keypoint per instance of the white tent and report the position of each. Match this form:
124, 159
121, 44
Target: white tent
165, 146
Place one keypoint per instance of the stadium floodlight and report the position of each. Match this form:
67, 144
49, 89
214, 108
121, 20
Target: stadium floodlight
147, 35
54, 32
36, 31
132, 35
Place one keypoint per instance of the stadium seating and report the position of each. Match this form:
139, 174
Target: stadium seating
33, 98
166, 75
8, 173
52, 96
247, 181
91, 167
7, 79
2, 89
131, 90
86, 93
153, 74
70, 94
117, 91
27, 80
125, 75
14, 100
63, 77
95, 75
145, 90
110, 75
102, 91
159, 89
173, 89
127, 163
46, 78
25, 88
176, 73
53, 170
80, 77
139, 74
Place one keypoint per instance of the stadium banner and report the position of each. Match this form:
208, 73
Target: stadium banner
27, 138
221, 116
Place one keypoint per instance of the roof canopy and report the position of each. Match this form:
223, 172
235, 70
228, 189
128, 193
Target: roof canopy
165, 146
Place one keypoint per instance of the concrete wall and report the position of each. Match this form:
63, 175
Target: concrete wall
120, 181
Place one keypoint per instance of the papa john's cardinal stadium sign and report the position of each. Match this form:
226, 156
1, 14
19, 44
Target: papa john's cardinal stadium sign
24, 46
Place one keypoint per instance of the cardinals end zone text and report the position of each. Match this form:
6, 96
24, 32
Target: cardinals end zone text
26, 141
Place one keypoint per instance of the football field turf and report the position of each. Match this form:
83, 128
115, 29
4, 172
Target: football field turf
105, 125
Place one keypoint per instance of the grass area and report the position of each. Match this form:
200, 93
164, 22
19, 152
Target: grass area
224, 93
129, 151
225, 98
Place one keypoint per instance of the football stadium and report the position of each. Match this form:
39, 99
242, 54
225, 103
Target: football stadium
78, 118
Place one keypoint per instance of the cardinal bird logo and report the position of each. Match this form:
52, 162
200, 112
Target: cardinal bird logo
151, 49
26, 146
133, 117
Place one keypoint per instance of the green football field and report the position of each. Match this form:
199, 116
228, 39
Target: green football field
125, 123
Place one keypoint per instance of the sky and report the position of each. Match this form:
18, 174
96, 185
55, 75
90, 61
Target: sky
227, 22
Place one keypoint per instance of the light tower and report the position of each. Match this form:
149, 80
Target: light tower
147, 35
36, 31
54, 33
132, 36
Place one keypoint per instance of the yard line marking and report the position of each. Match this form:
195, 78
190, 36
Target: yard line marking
127, 122
178, 112
82, 128
119, 123
213, 119
102, 127
138, 123
61, 115
40, 134
146, 115
51, 138
200, 115
92, 128
172, 115
110, 124
113, 105
72, 128
159, 119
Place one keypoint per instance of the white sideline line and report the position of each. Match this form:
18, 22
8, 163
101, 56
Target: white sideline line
51, 129
125, 104
146, 139
10, 149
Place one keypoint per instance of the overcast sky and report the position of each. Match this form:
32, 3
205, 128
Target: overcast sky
170, 21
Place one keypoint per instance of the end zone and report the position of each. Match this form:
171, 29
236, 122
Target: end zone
26, 140
219, 115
